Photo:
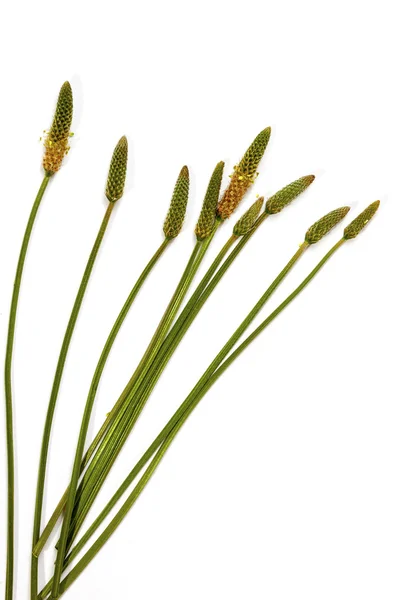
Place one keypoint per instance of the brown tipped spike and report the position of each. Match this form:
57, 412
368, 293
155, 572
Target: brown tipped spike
286, 195
208, 214
177, 208
117, 171
248, 220
319, 229
356, 226
184, 172
56, 141
243, 176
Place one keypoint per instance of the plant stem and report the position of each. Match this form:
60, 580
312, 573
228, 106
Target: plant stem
177, 421
8, 389
112, 415
95, 383
54, 394
200, 389
156, 341
117, 436
96, 474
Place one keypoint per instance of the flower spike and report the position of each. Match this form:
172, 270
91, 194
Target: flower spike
208, 213
56, 142
324, 225
243, 176
177, 209
117, 172
356, 226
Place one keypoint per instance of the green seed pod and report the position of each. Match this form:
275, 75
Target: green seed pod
117, 171
56, 141
243, 176
248, 220
324, 225
354, 228
208, 213
177, 209
287, 194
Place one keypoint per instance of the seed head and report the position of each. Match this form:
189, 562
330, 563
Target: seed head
285, 196
177, 209
324, 225
117, 171
56, 141
354, 228
248, 220
208, 213
243, 176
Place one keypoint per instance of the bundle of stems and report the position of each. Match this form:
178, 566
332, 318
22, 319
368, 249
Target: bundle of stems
216, 368
56, 147
114, 441
93, 462
214, 212
113, 192
118, 433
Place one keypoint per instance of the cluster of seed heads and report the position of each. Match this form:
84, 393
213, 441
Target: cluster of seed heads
177, 209
243, 176
56, 141
208, 214
324, 225
248, 220
117, 171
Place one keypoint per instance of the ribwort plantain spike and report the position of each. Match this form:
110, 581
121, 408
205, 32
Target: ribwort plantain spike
177, 209
319, 229
208, 213
356, 226
117, 171
286, 195
243, 176
56, 141
247, 221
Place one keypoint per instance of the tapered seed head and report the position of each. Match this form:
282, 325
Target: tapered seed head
248, 220
243, 176
177, 209
324, 225
354, 228
287, 194
117, 171
208, 213
56, 141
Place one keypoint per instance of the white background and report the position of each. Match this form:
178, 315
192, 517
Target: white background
284, 483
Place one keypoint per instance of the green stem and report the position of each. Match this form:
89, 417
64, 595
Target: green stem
101, 465
117, 437
112, 415
93, 390
156, 341
8, 389
166, 431
173, 426
54, 394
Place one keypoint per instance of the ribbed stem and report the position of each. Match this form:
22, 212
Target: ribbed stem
93, 390
112, 415
102, 463
155, 343
8, 390
114, 442
212, 367
89, 404
176, 422
54, 394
